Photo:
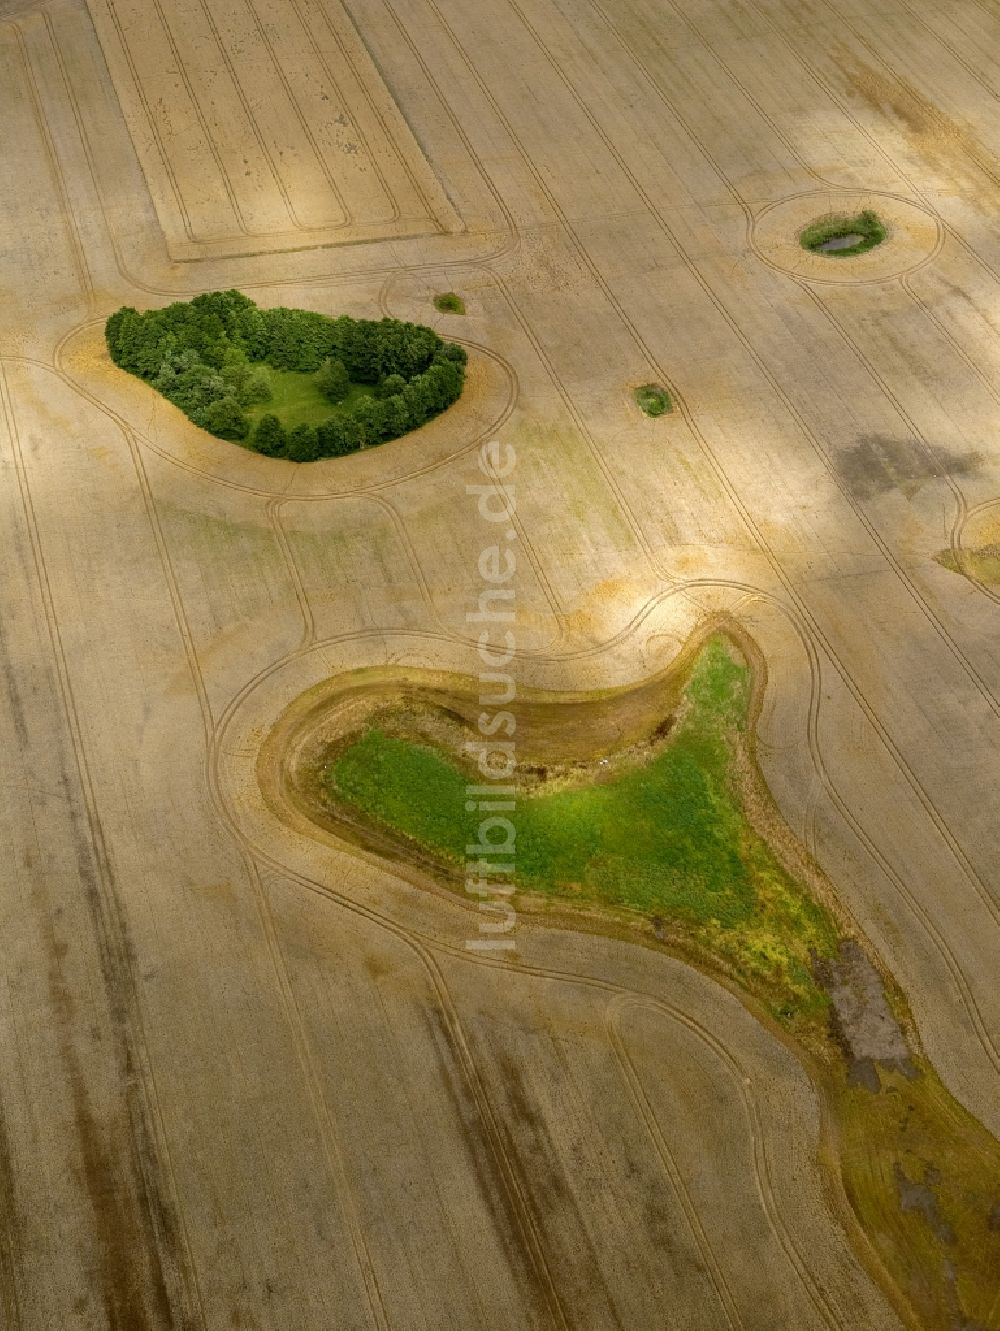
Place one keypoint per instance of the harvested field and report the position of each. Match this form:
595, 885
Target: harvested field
260, 1074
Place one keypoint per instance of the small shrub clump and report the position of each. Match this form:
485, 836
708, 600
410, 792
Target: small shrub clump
866, 225
653, 399
220, 359
449, 302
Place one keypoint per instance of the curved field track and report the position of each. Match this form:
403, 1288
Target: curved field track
251, 1078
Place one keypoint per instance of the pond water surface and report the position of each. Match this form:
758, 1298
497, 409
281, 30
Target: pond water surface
838, 243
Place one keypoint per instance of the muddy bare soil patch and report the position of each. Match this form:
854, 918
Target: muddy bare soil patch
862, 1020
878, 464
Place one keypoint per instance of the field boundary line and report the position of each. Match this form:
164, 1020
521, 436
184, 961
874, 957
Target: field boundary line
68, 218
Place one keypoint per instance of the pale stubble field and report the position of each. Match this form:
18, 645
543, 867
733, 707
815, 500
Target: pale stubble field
253, 1078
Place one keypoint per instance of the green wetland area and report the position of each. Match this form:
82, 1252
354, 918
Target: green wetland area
665, 839
643, 814
840, 236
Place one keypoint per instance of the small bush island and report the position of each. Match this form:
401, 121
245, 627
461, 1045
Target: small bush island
653, 399
449, 302
225, 363
867, 227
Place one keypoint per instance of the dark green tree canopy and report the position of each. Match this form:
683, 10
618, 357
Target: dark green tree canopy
226, 418
269, 437
207, 356
332, 379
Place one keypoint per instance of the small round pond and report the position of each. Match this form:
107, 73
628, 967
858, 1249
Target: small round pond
838, 243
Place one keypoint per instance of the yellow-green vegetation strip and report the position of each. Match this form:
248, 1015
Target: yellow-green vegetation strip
923, 1177
666, 839
980, 564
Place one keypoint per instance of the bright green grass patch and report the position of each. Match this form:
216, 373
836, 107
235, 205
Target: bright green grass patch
652, 399
668, 838
866, 225
449, 302
296, 400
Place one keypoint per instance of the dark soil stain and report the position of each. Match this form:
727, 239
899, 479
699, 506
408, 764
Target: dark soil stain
553, 1201
862, 1021
920, 1199
136, 1224
129, 1278
945, 144
11, 1225
498, 1181
10, 678
878, 464
136, 1275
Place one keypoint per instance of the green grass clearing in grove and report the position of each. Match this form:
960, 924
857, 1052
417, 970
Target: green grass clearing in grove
666, 839
296, 400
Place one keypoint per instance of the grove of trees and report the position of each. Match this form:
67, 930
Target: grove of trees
207, 356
